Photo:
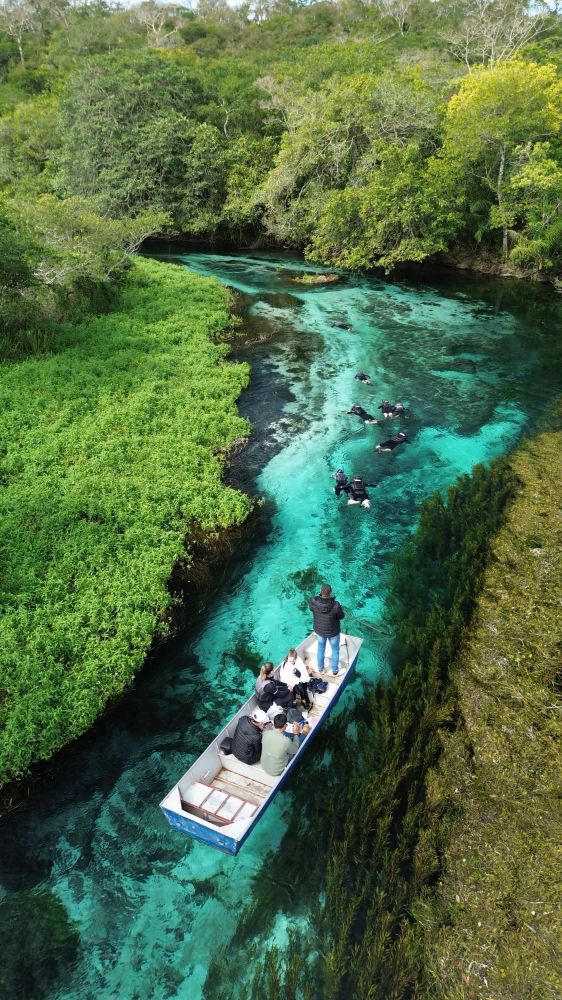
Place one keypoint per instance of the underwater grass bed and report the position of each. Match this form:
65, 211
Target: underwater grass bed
495, 927
109, 458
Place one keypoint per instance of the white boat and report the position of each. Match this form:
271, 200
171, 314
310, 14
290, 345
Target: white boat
220, 799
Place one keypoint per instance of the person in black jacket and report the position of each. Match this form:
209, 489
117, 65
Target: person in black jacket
327, 614
270, 689
246, 742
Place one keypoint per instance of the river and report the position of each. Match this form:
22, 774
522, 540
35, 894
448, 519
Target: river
477, 363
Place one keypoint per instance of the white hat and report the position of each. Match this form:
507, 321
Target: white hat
259, 716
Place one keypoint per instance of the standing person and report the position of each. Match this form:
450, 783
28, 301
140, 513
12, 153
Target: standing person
327, 616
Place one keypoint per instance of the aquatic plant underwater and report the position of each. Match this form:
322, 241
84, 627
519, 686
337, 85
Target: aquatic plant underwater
475, 364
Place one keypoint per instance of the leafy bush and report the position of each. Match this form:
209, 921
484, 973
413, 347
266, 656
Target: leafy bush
107, 462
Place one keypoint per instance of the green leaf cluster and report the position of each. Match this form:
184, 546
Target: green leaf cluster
107, 463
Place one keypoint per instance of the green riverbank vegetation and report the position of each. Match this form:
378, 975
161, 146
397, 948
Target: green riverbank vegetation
366, 134
434, 827
112, 447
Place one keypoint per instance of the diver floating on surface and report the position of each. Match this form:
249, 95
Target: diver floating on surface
341, 481
362, 377
393, 442
359, 411
357, 491
392, 409
341, 325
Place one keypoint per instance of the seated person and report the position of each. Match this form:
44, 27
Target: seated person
276, 750
247, 739
293, 715
295, 675
270, 691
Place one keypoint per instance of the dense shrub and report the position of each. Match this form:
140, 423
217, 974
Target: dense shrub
107, 461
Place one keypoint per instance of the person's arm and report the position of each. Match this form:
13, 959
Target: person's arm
341, 612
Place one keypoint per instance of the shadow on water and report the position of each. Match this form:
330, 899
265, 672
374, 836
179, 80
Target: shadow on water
137, 910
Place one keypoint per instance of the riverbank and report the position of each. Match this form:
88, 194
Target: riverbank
495, 928
113, 457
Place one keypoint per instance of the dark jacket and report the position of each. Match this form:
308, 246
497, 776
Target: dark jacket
276, 691
246, 742
327, 614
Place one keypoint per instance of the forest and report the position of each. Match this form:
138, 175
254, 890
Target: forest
367, 135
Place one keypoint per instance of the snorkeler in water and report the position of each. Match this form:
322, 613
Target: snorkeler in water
386, 407
357, 492
359, 411
361, 377
341, 481
399, 410
340, 325
393, 442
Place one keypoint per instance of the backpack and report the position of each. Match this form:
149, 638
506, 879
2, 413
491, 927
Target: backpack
317, 686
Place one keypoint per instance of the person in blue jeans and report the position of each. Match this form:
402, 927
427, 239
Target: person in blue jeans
327, 614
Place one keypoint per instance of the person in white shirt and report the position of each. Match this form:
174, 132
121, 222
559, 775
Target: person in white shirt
294, 673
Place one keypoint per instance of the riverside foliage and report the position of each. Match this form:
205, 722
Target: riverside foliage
108, 462
365, 134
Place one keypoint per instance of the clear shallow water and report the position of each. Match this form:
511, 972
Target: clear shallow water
477, 363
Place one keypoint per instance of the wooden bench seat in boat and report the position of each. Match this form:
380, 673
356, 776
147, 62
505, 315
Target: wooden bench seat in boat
215, 804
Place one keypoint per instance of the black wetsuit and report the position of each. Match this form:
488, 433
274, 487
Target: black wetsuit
362, 377
357, 489
341, 482
385, 406
398, 410
393, 442
340, 325
360, 412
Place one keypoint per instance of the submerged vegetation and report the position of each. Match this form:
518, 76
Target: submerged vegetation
390, 920
109, 462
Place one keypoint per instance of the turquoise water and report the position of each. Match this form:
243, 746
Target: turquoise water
477, 364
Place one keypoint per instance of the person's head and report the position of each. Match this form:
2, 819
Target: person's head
292, 655
325, 590
267, 670
259, 718
280, 721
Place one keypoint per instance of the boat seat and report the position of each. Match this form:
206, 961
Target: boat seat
253, 771
216, 805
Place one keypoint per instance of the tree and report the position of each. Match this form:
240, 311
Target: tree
132, 140
494, 113
489, 31
161, 23
17, 17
